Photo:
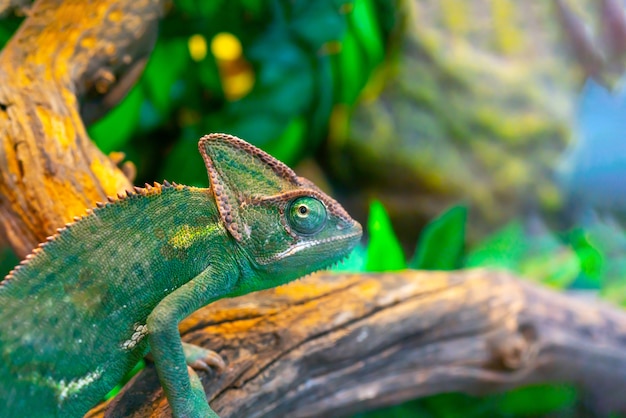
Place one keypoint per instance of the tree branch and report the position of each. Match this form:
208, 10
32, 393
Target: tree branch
67, 57
339, 344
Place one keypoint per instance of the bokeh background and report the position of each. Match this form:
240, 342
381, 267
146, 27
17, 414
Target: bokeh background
462, 133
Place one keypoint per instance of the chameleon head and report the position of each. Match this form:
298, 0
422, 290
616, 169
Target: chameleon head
285, 226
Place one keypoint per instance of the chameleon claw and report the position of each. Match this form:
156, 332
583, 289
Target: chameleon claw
208, 366
203, 359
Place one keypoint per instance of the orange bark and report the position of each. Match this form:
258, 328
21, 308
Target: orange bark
64, 53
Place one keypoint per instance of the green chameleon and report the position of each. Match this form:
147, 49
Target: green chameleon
85, 306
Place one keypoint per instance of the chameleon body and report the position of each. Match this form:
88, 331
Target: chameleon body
85, 306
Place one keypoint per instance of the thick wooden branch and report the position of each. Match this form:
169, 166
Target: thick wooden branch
67, 58
337, 344
17, 6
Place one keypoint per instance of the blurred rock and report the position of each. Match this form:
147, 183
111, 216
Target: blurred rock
474, 104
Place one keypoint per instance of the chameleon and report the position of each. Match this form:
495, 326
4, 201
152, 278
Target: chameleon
107, 289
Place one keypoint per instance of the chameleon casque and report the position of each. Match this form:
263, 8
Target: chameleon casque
79, 312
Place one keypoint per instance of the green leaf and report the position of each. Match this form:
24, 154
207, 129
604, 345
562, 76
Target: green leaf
364, 24
609, 240
282, 93
166, 66
289, 142
183, 164
441, 243
138, 367
537, 400
454, 405
203, 9
591, 258
309, 16
557, 268
548, 259
8, 26
538, 255
351, 76
384, 252
504, 249
355, 261
114, 130
8, 260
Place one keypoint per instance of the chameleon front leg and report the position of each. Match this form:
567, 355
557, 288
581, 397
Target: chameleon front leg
185, 399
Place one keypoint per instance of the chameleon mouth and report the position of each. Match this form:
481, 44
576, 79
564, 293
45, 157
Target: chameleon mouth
318, 244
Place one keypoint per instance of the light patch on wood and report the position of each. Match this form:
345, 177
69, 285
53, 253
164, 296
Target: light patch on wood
303, 290
115, 15
88, 42
187, 235
63, 191
110, 184
60, 127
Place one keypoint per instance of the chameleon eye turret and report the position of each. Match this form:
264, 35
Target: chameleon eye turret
307, 215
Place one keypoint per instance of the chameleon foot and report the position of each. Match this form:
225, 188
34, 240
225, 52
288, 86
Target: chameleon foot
202, 359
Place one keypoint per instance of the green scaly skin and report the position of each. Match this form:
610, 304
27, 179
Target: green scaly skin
85, 306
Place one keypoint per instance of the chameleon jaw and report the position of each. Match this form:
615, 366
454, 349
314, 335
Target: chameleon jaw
304, 245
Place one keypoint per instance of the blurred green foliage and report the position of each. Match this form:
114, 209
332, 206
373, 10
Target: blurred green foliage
532, 401
296, 73
442, 242
384, 252
277, 92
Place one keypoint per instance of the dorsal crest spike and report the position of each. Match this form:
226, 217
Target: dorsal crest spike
167, 183
109, 201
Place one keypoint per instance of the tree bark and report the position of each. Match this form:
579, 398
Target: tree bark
337, 344
68, 59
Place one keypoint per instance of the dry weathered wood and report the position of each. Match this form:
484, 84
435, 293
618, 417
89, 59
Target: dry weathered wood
336, 344
68, 58
15, 6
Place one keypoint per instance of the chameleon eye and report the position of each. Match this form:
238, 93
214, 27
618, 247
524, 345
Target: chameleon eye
307, 215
